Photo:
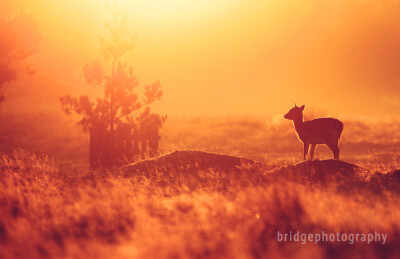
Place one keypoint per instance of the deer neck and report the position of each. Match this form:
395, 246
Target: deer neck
298, 124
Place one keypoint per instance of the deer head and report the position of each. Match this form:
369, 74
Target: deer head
296, 113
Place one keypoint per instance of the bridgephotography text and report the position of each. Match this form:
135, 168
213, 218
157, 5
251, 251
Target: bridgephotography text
316, 238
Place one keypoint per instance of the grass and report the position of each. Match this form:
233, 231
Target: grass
71, 212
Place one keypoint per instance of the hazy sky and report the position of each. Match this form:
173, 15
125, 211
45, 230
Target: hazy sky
231, 57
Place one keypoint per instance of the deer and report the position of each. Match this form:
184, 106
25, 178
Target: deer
314, 132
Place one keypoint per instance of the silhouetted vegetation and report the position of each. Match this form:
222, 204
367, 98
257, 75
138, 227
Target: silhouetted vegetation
122, 127
19, 39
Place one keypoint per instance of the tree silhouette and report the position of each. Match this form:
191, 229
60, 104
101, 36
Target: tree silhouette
121, 126
19, 39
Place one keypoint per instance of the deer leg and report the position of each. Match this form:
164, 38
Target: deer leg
335, 149
306, 145
313, 146
337, 152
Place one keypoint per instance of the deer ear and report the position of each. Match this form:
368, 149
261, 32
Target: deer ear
302, 107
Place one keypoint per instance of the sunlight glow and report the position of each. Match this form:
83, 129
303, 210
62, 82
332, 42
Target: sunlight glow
177, 12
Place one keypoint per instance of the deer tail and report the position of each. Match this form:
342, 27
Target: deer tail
339, 128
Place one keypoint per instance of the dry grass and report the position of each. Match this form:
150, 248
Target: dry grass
53, 211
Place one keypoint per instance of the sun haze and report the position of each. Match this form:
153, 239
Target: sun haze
199, 128
234, 57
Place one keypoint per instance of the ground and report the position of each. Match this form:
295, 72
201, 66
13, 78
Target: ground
216, 207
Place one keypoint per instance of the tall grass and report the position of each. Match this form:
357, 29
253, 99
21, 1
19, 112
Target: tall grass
52, 211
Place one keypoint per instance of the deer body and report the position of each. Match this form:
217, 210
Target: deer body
318, 131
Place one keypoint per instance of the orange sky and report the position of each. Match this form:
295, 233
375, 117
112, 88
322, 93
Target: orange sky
230, 57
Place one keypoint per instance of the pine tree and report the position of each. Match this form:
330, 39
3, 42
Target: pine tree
121, 126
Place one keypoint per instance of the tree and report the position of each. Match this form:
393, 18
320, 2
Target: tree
19, 39
121, 126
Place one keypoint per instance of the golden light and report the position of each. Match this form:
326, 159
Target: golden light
166, 13
255, 56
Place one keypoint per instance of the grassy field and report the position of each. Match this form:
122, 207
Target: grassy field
263, 139
57, 210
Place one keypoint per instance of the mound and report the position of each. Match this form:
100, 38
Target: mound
337, 174
389, 181
323, 172
190, 160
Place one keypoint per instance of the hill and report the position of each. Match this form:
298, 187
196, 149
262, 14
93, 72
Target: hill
192, 160
321, 173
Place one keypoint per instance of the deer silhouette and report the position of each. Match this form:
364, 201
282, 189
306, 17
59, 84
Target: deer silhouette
318, 131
